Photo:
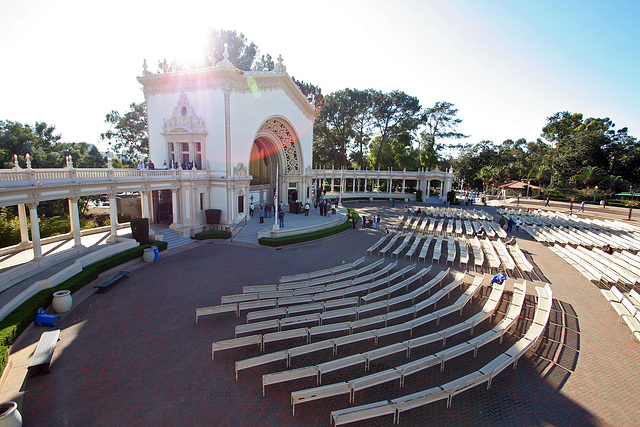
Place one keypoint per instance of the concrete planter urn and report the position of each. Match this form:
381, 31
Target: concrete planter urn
62, 301
9, 415
148, 255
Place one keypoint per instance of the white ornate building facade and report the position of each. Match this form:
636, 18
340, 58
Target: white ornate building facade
247, 130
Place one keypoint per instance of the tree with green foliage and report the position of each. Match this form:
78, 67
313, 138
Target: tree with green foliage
398, 152
393, 114
578, 143
264, 63
613, 184
541, 174
363, 123
242, 53
589, 176
128, 134
39, 141
441, 123
334, 127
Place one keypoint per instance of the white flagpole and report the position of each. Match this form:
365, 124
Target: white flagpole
275, 201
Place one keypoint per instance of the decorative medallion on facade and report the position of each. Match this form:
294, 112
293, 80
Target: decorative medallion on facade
184, 118
288, 144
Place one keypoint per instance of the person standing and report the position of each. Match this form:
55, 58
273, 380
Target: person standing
251, 208
364, 222
502, 222
261, 214
307, 206
281, 219
518, 224
378, 222
510, 225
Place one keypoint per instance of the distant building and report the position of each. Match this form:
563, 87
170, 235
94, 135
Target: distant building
518, 188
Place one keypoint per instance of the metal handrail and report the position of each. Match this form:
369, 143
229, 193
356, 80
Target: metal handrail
240, 224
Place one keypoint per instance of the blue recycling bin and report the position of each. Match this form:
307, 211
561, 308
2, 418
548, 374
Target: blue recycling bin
156, 252
43, 319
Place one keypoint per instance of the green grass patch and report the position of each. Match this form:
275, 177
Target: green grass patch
17, 321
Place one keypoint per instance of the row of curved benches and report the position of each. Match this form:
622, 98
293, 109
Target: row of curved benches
370, 299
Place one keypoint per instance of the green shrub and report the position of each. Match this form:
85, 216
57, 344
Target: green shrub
18, 320
213, 234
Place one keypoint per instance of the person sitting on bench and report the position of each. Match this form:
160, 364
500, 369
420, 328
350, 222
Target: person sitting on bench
480, 231
499, 278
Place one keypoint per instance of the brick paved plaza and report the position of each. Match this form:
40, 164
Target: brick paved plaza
135, 356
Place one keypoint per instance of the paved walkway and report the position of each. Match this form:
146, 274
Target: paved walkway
134, 356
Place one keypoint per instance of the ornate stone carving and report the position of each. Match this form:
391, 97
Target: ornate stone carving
287, 141
279, 67
184, 118
240, 170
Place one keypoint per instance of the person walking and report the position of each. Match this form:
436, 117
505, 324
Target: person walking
261, 214
378, 222
581, 207
546, 202
518, 224
281, 219
510, 225
502, 222
251, 207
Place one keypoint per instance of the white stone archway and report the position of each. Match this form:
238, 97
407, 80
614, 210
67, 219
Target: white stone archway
280, 144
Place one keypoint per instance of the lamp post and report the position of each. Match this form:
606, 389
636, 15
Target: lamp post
595, 193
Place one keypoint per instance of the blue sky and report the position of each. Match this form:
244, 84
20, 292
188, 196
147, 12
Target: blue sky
506, 65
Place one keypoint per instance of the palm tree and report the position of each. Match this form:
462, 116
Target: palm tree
590, 176
540, 174
486, 174
612, 185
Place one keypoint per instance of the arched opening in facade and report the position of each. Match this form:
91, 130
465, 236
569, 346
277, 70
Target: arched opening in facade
276, 150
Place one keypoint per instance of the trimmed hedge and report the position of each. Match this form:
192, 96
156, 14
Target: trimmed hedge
213, 234
20, 318
306, 237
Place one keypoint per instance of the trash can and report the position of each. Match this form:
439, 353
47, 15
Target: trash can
43, 319
156, 252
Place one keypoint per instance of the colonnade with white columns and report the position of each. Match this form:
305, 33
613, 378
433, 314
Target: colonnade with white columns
362, 181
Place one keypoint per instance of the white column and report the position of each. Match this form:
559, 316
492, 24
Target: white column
332, 186
24, 232
174, 205
428, 188
378, 184
442, 195
113, 217
403, 182
35, 231
389, 185
358, 181
144, 202
74, 218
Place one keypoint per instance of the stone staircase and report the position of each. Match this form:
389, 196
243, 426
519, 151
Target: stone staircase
174, 239
248, 233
